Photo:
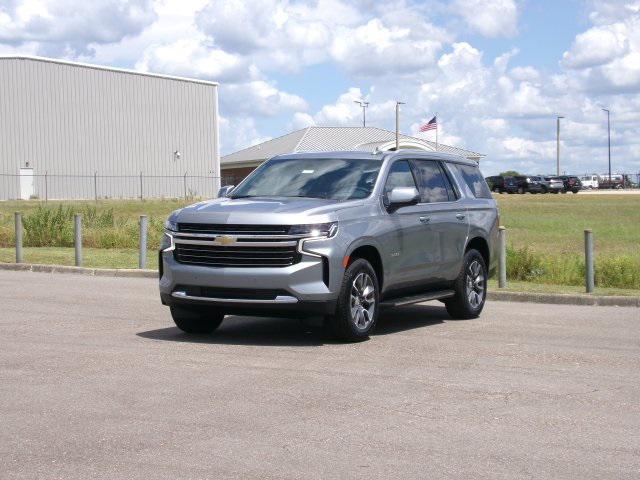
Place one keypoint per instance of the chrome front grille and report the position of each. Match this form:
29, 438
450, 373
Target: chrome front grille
231, 229
223, 256
215, 245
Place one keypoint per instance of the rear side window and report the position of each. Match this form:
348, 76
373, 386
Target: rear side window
473, 178
433, 183
399, 176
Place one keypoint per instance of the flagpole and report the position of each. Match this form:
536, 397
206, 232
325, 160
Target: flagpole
398, 124
436, 131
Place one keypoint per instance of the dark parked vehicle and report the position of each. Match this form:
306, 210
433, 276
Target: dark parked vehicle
500, 184
552, 185
524, 184
571, 183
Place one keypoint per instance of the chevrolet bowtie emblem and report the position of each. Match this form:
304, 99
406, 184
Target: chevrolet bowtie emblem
224, 240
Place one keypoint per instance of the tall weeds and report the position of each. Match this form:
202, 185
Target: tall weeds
53, 227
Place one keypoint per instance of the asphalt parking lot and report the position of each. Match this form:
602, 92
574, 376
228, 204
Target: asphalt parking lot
97, 383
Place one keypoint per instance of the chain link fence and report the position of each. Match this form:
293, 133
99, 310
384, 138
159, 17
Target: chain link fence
97, 186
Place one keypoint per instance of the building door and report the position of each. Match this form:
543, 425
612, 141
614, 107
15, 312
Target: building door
26, 183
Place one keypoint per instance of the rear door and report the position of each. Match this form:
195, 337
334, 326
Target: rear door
447, 218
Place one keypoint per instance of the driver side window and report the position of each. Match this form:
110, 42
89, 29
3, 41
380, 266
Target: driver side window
399, 176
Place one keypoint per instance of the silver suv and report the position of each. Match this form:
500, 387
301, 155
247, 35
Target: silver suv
337, 235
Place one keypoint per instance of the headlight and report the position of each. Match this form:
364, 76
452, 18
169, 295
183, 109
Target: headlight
171, 226
166, 244
315, 230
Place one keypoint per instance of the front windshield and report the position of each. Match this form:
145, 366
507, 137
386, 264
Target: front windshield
327, 178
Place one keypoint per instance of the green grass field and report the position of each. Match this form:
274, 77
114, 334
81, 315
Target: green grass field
545, 235
555, 224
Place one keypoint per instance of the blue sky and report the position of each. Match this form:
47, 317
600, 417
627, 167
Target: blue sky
497, 71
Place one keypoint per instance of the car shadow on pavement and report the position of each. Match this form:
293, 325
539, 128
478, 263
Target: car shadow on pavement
295, 332
410, 317
240, 330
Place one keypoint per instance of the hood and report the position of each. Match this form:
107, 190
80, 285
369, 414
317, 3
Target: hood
261, 210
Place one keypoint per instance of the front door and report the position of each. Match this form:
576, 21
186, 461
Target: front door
408, 231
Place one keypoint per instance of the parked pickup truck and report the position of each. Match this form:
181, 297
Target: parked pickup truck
590, 182
337, 235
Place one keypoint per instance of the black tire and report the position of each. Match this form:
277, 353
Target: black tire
460, 306
196, 319
544, 190
343, 323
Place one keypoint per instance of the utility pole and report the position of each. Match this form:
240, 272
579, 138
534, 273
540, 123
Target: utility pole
609, 135
558, 145
398, 124
364, 106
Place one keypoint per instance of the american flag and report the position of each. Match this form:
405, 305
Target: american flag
430, 125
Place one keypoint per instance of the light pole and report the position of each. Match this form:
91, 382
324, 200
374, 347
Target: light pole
609, 136
558, 144
364, 106
398, 124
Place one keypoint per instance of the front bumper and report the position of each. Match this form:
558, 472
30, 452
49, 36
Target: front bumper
308, 287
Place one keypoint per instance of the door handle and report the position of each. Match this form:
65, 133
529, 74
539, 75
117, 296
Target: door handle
425, 219
460, 216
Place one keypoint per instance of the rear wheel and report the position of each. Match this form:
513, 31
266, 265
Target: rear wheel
470, 288
357, 310
196, 319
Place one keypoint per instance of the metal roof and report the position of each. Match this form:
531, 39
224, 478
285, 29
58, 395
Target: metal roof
101, 67
325, 139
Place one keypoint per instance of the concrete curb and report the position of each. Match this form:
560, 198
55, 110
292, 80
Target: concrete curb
98, 272
565, 299
525, 297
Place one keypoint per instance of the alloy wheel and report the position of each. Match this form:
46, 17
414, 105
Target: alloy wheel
475, 284
363, 301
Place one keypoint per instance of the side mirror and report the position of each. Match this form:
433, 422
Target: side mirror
401, 197
225, 191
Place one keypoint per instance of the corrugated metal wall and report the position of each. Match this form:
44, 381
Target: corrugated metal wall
71, 121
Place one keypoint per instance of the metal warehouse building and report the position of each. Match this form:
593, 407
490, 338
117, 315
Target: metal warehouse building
71, 130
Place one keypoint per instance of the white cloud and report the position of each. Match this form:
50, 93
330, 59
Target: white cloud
524, 74
301, 120
597, 46
277, 34
606, 56
239, 132
375, 48
191, 57
259, 97
491, 18
66, 27
611, 11
343, 112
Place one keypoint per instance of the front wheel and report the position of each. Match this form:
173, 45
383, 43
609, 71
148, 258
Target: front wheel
196, 319
357, 310
470, 288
